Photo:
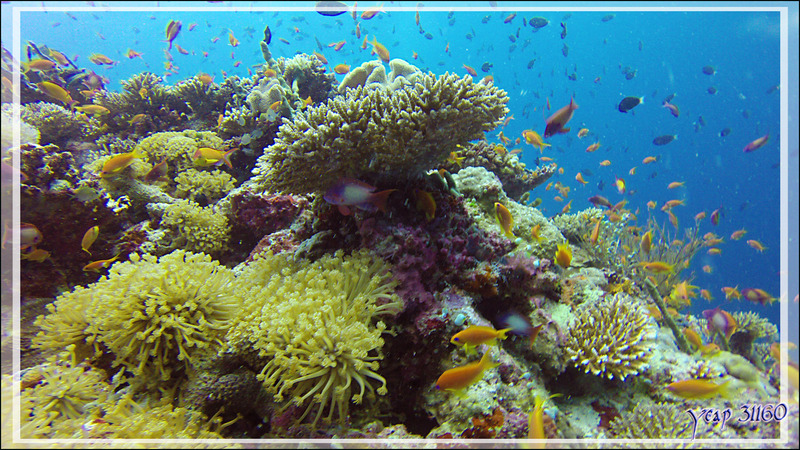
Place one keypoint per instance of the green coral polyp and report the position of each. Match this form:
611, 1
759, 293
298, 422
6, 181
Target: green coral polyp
321, 342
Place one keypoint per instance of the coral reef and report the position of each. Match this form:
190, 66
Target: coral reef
177, 148
57, 125
143, 93
517, 179
408, 131
208, 185
166, 311
313, 323
610, 338
652, 421
196, 228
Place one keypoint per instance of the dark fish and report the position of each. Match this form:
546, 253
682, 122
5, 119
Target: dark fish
531, 63
725, 132
773, 89
512, 47
653, 175
664, 139
450, 14
451, 22
330, 8
524, 22
573, 76
669, 98
468, 36
566, 17
599, 200
564, 30
608, 17
601, 185
746, 113
641, 45
565, 50
486, 66
712, 90
428, 36
701, 121
709, 70
267, 35
628, 103
485, 19
517, 35
630, 75
538, 22
587, 172
512, 38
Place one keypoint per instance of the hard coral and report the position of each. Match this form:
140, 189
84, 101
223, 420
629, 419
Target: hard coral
58, 125
609, 338
406, 132
653, 421
314, 322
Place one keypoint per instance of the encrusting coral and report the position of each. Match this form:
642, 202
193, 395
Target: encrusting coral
609, 338
378, 133
165, 310
313, 323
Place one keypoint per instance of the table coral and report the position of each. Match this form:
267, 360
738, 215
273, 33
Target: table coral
314, 323
406, 132
610, 338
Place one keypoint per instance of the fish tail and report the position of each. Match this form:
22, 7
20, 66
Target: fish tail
378, 199
502, 334
487, 362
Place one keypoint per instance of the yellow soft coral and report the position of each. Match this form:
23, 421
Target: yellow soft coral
213, 185
199, 228
314, 324
177, 148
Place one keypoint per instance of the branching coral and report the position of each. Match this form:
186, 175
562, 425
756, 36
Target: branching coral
314, 324
399, 133
516, 178
207, 100
57, 125
756, 326
212, 185
199, 228
154, 314
143, 94
609, 338
653, 421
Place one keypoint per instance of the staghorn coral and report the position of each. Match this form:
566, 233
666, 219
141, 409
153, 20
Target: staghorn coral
207, 100
314, 324
198, 228
192, 183
609, 337
407, 131
154, 314
57, 125
517, 179
652, 421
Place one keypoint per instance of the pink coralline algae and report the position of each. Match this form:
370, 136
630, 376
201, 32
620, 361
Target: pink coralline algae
256, 216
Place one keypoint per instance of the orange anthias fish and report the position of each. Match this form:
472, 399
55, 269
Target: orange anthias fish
698, 389
476, 335
96, 266
379, 49
369, 13
119, 162
649, 159
425, 203
757, 144
205, 156
504, 218
173, 28
470, 70
583, 132
556, 122
536, 421
181, 50
342, 69
675, 184
756, 245
533, 138
232, 39
731, 292
579, 178
89, 237
55, 91
101, 59
457, 379
593, 147
134, 54
738, 234
657, 266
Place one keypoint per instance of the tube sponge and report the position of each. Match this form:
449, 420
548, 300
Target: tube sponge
313, 322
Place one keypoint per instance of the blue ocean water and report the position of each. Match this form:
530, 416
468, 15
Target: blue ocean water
665, 50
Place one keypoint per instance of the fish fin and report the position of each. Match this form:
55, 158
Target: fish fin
87, 251
563, 130
378, 199
226, 158
344, 210
501, 334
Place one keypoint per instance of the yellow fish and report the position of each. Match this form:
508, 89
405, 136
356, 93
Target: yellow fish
563, 255
454, 158
503, 216
89, 237
697, 388
657, 266
533, 138
92, 110
457, 379
55, 91
119, 162
95, 266
475, 335
205, 156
